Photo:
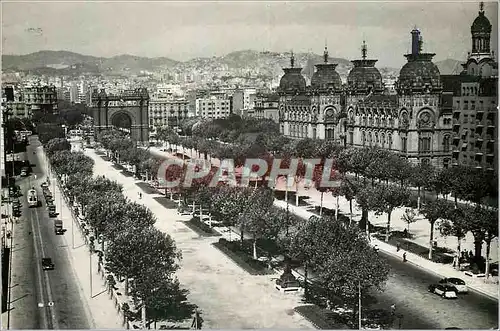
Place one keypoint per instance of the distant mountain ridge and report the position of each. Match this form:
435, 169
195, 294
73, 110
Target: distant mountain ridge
43, 59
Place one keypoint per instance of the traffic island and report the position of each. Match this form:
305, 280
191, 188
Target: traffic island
322, 319
127, 173
167, 203
242, 256
201, 228
146, 188
118, 166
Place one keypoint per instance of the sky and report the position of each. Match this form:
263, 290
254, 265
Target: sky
184, 30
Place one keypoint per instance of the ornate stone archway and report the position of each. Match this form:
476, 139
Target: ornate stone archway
128, 110
122, 121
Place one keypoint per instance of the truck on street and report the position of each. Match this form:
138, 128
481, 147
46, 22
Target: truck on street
58, 227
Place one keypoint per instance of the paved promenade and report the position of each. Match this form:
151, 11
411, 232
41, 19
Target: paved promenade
227, 296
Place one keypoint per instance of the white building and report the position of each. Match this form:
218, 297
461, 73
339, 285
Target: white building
167, 112
213, 107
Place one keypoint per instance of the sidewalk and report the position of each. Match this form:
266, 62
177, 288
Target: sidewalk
442, 270
419, 229
100, 308
7, 227
227, 296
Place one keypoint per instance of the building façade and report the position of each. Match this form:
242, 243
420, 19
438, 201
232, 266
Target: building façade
418, 122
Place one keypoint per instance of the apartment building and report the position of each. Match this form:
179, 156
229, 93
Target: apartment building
266, 106
30, 99
213, 107
472, 96
167, 112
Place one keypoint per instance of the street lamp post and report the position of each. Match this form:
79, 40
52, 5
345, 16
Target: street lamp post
90, 272
359, 305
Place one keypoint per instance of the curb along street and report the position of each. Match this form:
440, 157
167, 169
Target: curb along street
99, 307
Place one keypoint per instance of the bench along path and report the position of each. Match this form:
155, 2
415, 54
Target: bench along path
227, 295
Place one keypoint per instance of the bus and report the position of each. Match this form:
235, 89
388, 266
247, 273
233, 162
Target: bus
32, 198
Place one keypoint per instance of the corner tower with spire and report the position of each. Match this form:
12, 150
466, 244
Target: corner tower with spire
481, 59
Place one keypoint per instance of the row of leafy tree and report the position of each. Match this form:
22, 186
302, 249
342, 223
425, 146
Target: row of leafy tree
134, 249
375, 167
380, 183
337, 253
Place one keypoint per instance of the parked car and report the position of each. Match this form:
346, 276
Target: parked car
47, 263
52, 211
494, 269
457, 283
44, 185
445, 291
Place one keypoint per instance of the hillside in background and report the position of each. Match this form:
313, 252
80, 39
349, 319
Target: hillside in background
238, 63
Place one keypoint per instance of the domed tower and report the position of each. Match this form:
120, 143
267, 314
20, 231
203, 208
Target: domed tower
481, 31
364, 78
419, 120
292, 81
326, 78
419, 74
481, 61
327, 102
293, 102
369, 111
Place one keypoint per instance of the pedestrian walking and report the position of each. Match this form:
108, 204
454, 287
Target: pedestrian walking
140, 195
398, 246
393, 309
404, 257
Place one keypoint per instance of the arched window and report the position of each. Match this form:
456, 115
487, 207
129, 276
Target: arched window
446, 143
382, 140
424, 144
363, 138
446, 163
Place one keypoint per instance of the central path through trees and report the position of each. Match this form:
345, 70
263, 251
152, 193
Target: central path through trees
227, 295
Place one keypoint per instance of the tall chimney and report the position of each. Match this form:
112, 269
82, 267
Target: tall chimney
415, 41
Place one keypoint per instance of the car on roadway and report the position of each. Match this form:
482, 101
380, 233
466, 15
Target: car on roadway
44, 185
24, 172
457, 283
52, 211
445, 291
47, 263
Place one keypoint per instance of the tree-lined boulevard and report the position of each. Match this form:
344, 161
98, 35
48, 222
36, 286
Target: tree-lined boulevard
337, 266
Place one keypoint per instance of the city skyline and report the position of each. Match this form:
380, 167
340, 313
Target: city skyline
182, 31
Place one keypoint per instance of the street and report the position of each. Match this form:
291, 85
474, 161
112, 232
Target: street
58, 290
407, 288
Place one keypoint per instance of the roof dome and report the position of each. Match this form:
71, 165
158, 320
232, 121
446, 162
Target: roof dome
419, 72
364, 75
292, 80
326, 77
481, 24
